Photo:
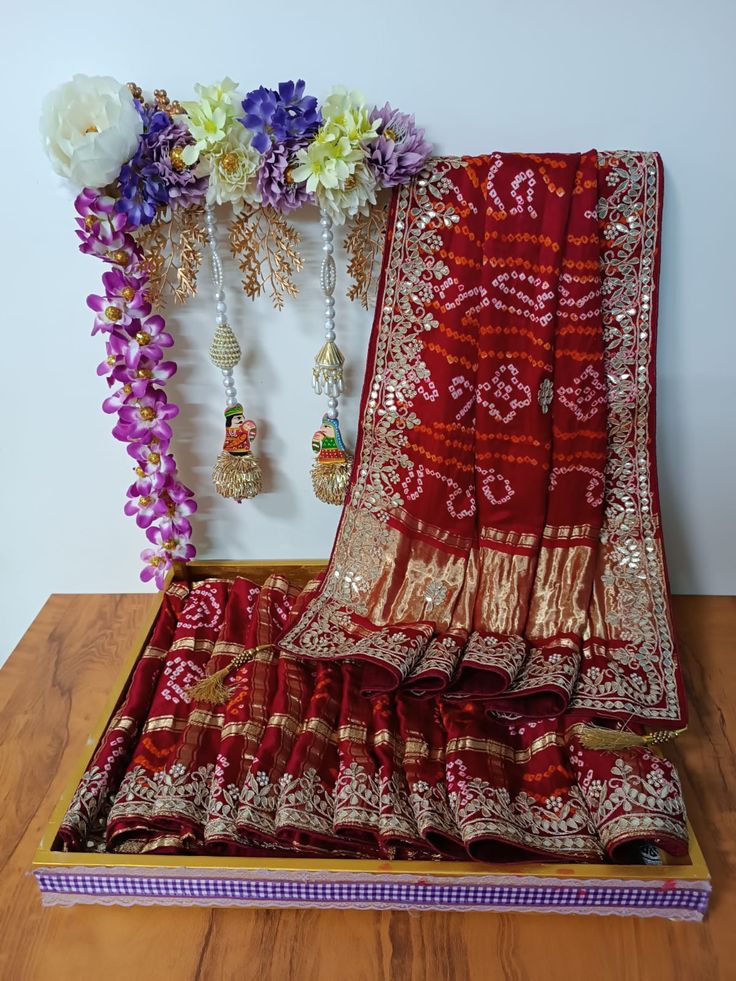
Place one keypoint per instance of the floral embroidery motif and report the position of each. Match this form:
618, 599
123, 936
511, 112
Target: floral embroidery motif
638, 676
505, 654
434, 595
481, 810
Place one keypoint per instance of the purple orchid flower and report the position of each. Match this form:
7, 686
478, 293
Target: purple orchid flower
120, 398
151, 460
110, 313
147, 420
147, 341
280, 116
141, 378
99, 221
129, 287
116, 345
157, 563
164, 535
143, 496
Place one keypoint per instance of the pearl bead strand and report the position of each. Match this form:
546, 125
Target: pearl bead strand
228, 381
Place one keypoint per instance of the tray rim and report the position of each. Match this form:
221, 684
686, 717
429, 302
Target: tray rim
696, 870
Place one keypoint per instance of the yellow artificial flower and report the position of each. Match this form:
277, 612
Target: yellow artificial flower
347, 113
211, 118
327, 162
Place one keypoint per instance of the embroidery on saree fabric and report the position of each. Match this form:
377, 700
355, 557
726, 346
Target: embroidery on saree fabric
298, 761
323, 746
629, 667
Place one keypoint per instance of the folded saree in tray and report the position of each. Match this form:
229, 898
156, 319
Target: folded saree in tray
497, 586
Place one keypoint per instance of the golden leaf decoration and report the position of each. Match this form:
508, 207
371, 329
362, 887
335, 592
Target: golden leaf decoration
363, 244
172, 253
266, 247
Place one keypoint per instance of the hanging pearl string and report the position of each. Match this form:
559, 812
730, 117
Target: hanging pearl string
329, 381
231, 395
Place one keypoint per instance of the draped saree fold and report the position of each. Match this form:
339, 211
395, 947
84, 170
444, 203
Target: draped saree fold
497, 579
501, 538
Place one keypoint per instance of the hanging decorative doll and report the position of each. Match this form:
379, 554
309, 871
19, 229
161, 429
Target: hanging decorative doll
331, 468
239, 431
237, 473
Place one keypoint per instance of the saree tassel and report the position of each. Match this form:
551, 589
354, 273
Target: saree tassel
327, 371
211, 688
598, 737
237, 476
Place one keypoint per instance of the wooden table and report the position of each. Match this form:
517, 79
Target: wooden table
51, 692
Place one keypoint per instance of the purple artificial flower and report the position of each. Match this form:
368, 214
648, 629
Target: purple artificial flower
98, 219
274, 180
280, 116
143, 498
130, 286
148, 337
165, 145
157, 562
180, 494
400, 149
114, 403
109, 313
141, 378
101, 229
147, 420
150, 461
122, 306
166, 537
143, 189
157, 176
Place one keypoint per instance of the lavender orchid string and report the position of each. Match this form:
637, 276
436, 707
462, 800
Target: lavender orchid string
136, 372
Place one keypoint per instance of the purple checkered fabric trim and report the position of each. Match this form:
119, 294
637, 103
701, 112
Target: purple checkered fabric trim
380, 892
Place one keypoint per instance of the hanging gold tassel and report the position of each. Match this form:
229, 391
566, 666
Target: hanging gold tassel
330, 480
327, 371
211, 688
237, 477
598, 737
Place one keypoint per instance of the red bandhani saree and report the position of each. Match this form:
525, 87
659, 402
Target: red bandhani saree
497, 583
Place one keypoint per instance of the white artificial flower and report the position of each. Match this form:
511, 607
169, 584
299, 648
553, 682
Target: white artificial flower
231, 169
90, 128
351, 197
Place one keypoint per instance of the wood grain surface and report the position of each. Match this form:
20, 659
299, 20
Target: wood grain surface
51, 692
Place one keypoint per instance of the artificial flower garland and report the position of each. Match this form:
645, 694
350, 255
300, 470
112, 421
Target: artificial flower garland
143, 165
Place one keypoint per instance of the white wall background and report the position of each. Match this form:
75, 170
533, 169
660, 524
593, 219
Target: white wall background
481, 75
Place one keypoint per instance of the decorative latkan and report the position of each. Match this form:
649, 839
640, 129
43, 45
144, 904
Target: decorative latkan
331, 468
237, 473
147, 170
